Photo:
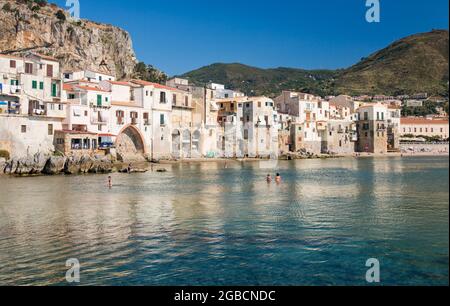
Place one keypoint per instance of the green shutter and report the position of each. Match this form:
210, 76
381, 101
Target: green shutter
41, 85
34, 85
99, 100
54, 89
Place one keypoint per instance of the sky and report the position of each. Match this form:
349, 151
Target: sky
177, 36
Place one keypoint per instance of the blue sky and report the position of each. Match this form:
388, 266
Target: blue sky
181, 35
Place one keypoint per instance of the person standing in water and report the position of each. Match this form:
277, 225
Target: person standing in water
269, 178
109, 182
278, 178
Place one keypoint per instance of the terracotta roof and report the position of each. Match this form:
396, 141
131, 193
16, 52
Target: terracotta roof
76, 132
422, 121
67, 87
124, 103
48, 58
156, 85
90, 88
120, 83
10, 56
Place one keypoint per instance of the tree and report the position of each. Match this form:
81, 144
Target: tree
60, 15
149, 73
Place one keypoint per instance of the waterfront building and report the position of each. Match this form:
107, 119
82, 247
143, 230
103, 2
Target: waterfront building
248, 127
89, 75
204, 116
394, 115
310, 113
220, 92
419, 127
372, 128
31, 108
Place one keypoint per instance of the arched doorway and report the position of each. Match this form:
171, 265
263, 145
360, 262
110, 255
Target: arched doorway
176, 144
186, 144
196, 144
130, 143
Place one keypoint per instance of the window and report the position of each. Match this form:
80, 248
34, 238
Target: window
60, 107
71, 96
100, 78
366, 116
174, 99
28, 68
14, 83
23, 128
162, 97
50, 129
41, 85
186, 101
34, 84
50, 71
99, 100
12, 64
259, 104
146, 93
245, 134
146, 119
162, 120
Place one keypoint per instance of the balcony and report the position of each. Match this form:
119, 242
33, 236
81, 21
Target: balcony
10, 89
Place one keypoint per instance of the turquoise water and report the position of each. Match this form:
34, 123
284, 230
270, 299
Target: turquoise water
202, 224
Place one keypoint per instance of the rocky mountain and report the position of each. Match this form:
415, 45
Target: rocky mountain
35, 25
418, 63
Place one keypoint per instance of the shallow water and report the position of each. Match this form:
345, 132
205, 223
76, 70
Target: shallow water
201, 224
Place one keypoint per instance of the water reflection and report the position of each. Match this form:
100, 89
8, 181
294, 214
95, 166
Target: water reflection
211, 224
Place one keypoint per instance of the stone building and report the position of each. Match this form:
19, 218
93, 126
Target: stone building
372, 128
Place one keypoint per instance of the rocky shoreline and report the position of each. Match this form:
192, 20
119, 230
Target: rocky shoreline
41, 164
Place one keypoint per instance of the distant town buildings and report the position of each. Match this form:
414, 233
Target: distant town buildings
43, 109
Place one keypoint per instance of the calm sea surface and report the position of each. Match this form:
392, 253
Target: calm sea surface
202, 224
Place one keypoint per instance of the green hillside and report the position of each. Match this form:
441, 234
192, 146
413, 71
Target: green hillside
418, 63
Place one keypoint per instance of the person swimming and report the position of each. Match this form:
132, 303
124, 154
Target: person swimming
278, 178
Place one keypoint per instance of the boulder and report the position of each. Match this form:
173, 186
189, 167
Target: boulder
2, 164
55, 165
86, 163
101, 165
72, 165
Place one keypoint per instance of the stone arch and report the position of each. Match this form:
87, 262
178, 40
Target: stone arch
186, 141
196, 139
176, 144
130, 141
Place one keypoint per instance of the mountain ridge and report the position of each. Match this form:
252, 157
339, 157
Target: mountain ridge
416, 63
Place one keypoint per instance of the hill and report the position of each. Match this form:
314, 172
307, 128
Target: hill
418, 63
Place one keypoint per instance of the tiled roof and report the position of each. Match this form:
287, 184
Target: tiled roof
422, 121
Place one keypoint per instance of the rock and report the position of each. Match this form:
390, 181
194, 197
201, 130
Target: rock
2, 165
78, 45
72, 165
162, 170
55, 165
86, 164
101, 165
30, 165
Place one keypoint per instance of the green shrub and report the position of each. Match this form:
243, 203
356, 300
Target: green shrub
4, 154
7, 7
60, 15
